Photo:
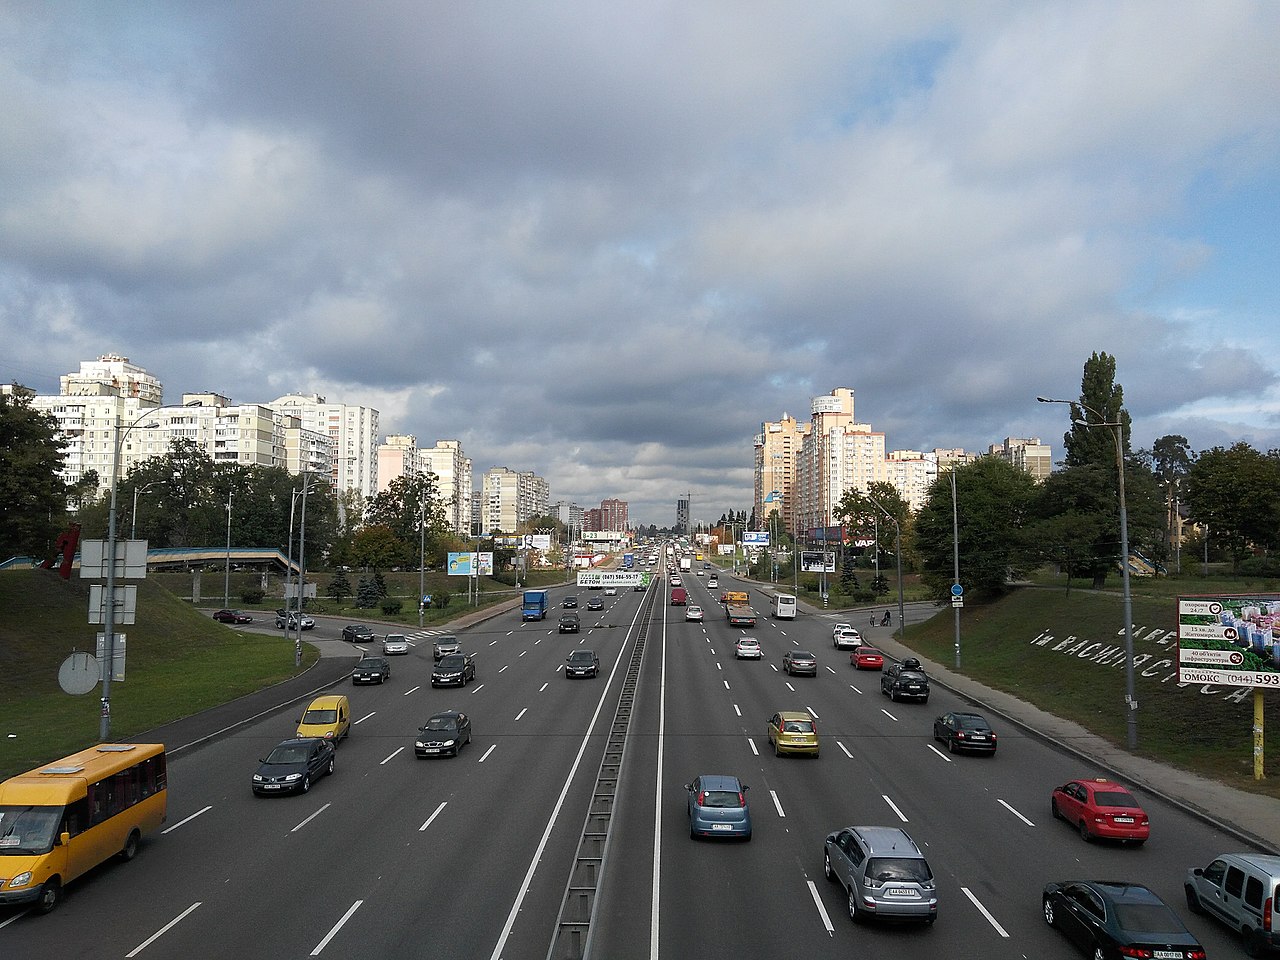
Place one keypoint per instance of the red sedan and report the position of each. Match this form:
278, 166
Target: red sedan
1101, 808
867, 658
232, 616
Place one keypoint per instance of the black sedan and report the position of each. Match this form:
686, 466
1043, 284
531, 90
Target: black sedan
372, 670
445, 733
293, 766
357, 633
595, 603
1109, 919
965, 731
581, 663
457, 669
569, 603
232, 616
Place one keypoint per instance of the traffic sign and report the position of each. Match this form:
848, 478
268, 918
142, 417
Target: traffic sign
957, 590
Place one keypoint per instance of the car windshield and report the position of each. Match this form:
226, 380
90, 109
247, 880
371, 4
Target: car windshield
581, 655
748, 643
294, 753
395, 638
1148, 918
28, 829
320, 716
1113, 798
453, 662
443, 724
798, 726
910, 869
721, 798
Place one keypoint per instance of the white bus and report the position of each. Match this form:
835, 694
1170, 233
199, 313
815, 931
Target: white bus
784, 607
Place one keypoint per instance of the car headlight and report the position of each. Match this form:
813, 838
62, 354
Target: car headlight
293, 776
447, 743
419, 743
21, 880
258, 778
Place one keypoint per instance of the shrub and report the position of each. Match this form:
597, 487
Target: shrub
441, 598
391, 606
252, 595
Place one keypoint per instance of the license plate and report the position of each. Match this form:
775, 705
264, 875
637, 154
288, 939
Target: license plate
1167, 954
1130, 820
271, 786
901, 892
722, 826
976, 737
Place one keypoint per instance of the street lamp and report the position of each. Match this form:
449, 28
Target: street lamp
1131, 703
897, 533
226, 570
293, 500
422, 557
133, 530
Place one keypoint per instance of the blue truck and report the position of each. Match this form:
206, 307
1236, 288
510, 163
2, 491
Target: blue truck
534, 606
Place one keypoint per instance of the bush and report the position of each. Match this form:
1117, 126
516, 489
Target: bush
441, 598
252, 595
391, 606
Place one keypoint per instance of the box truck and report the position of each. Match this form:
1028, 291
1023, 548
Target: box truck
535, 605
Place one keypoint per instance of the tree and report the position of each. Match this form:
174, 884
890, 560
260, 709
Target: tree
339, 586
376, 547
1170, 459
1235, 492
994, 500
33, 499
1101, 401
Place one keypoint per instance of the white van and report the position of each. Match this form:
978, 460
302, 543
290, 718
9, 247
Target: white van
784, 607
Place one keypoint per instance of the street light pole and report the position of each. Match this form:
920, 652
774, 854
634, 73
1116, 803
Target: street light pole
1117, 427
897, 533
133, 530
955, 558
226, 570
422, 554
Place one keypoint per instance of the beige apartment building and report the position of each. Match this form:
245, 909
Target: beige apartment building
354, 432
777, 448
400, 455
508, 498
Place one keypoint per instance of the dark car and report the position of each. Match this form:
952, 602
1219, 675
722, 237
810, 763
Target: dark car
965, 731
232, 616
569, 603
595, 603
1113, 919
905, 681
457, 669
800, 661
569, 623
445, 733
293, 766
372, 670
581, 663
357, 633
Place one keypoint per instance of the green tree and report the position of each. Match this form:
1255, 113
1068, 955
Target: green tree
1235, 492
339, 586
993, 504
376, 547
33, 499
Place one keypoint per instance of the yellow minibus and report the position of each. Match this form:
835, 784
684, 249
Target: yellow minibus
63, 819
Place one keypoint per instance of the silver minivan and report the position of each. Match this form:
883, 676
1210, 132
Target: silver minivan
883, 872
1243, 891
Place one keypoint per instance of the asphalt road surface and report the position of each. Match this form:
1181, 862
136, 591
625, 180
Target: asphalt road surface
470, 857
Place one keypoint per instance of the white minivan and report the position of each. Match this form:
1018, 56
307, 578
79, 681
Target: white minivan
784, 607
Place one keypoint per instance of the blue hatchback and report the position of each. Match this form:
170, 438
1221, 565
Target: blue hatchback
718, 807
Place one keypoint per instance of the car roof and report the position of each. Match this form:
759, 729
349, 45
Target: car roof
748, 640
888, 841
445, 715
719, 781
801, 653
582, 651
1123, 892
794, 715
328, 700
295, 741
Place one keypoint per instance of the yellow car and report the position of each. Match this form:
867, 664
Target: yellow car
793, 731
328, 718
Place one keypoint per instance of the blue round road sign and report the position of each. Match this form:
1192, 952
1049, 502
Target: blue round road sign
957, 590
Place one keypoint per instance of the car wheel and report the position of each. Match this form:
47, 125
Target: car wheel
1048, 913
951, 745
826, 866
1099, 953
1085, 835
854, 913
329, 769
893, 696
746, 837
1254, 944
1193, 899
306, 784
50, 896
777, 749
1053, 808
130, 849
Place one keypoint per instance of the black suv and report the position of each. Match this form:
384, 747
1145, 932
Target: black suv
569, 623
905, 681
569, 603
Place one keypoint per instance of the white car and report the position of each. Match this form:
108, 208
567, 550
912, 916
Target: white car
676, 581
610, 591
848, 638
747, 648
712, 582
838, 628
693, 613
394, 643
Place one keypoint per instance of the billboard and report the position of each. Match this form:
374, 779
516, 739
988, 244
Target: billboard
817, 561
755, 538
462, 564
610, 578
1230, 640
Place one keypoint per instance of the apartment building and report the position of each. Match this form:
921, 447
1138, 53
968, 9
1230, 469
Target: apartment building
777, 450
354, 432
509, 498
1027, 454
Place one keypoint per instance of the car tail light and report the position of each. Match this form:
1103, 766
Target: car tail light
1266, 915
742, 802
1196, 955
959, 734
702, 797
1134, 952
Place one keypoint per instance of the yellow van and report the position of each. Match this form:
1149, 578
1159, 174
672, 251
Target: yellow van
328, 717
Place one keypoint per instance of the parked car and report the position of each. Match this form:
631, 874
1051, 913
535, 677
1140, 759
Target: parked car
569, 623
357, 633
883, 872
581, 663
1243, 891
457, 669
846, 638
232, 616
395, 644
371, 670
867, 658
799, 662
292, 766
1100, 808
569, 603
747, 648
905, 681
717, 807
693, 612
1117, 919
595, 603
445, 733
444, 645
965, 731
793, 731
289, 620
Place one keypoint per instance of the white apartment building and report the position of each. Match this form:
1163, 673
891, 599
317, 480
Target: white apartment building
401, 456
354, 432
777, 450
509, 498
911, 473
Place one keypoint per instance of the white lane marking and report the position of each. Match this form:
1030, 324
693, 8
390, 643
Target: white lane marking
310, 818
737, 710
545, 685
812, 714
854, 689
845, 749
366, 716
986, 913
494, 642
504, 666
752, 744
713, 651
414, 690
939, 753
336, 927
522, 713
822, 911
393, 754
1014, 812
185, 820
162, 931
539, 640
790, 687
888, 714
434, 813
477, 689
718, 667
901, 816
774, 667
492, 747
522, 653
777, 804
829, 669
795, 643
726, 685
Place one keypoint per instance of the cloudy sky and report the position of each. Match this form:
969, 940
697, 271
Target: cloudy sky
604, 241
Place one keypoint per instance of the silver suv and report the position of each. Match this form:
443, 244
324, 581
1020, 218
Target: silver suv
1241, 890
444, 646
883, 872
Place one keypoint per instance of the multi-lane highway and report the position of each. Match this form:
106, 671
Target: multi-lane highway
395, 857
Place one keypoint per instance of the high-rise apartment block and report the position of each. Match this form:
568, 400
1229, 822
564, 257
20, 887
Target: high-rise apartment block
509, 498
777, 450
354, 431
400, 456
1027, 454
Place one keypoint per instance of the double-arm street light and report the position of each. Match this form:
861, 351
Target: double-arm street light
133, 529
1117, 430
897, 533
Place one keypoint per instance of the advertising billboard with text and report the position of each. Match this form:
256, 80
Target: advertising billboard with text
1230, 640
